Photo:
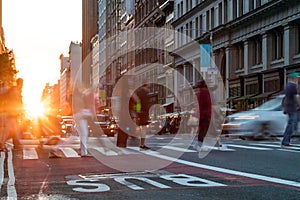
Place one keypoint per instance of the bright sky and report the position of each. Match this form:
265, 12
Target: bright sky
38, 31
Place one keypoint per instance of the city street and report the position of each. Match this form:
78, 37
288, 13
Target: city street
241, 169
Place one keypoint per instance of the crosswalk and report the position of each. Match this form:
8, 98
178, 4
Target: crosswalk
107, 147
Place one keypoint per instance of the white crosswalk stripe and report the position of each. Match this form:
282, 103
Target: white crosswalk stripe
249, 147
29, 154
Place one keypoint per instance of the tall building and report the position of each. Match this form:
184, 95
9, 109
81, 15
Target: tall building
150, 46
2, 39
89, 30
65, 104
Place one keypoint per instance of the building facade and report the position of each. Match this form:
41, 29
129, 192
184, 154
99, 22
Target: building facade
254, 44
89, 30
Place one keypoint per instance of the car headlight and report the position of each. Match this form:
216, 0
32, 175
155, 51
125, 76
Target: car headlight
112, 126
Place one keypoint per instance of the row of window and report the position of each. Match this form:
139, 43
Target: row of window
239, 7
210, 18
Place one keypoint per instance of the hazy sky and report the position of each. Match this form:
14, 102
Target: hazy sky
38, 31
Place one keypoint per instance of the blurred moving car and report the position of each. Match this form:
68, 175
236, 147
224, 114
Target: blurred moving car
107, 124
267, 120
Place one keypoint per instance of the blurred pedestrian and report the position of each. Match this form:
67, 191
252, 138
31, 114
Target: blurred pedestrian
14, 109
82, 102
204, 109
142, 107
291, 108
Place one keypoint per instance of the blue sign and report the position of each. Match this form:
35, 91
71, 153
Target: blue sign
204, 55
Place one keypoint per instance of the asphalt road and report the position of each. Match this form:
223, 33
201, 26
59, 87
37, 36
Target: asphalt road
172, 169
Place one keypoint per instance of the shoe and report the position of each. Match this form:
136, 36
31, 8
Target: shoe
144, 147
286, 145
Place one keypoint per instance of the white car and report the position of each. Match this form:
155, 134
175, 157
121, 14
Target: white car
267, 120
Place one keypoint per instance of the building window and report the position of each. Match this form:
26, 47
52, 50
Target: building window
272, 85
257, 50
178, 11
251, 5
191, 30
200, 24
181, 8
277, 44
234, 9
197, 27
212, 18
252, 88
241, 7
186, 5
207, 21
258, 3
220, 14
297, 43
239, 56
225, 11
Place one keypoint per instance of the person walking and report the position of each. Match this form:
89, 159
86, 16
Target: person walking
142, 112
205, 110
291, 108
82, 114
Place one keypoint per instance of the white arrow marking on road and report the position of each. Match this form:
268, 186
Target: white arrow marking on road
30, 154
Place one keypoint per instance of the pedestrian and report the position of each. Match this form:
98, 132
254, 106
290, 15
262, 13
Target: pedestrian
291, 108
204, 110
142, 106
14, 109
82, 114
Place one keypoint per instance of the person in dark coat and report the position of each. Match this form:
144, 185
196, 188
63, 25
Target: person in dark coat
291, 108
205, 109
142, 106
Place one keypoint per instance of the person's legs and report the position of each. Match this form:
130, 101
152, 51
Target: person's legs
202, 129
290, 128
143, 132
83, 134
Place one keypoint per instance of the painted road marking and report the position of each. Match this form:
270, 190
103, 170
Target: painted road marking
178, 149
69, 152
265, 145
93, 183
30, 153
2, 168
11, 189
248, 147
227, 171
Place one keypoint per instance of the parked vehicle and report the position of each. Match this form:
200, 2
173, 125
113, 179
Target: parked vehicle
107, 124
67, 125
266, 120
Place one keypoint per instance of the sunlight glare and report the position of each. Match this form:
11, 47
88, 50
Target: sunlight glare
35, 110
